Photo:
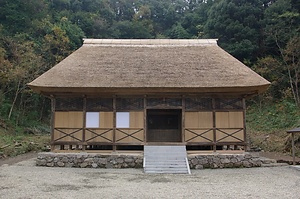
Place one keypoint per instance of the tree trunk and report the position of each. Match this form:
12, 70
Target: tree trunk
15, 99
294, 90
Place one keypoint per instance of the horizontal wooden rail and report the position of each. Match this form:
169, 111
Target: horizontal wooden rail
135, 136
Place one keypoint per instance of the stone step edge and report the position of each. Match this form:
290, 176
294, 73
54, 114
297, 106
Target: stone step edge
274, 165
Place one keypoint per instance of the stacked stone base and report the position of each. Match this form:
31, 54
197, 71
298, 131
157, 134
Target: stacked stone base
94, 160
214, 161
89, 160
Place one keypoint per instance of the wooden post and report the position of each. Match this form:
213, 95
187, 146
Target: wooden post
84, 124
244, 124
183, 120
145, 119
214, 124
293, 148
293, 131
52, 122
114, 122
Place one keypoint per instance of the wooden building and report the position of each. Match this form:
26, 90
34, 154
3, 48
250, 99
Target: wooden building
123, 94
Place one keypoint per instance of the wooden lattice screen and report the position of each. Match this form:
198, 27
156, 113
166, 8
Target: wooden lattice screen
99, 104
130, 103
197, 103
167, 102
236, 103
69, 104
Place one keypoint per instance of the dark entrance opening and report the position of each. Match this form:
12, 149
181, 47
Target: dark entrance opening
164, 125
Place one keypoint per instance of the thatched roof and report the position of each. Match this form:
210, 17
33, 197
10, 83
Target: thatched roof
148, 66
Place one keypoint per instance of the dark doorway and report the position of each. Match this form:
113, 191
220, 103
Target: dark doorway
164, 125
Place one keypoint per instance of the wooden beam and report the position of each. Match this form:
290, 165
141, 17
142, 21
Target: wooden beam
221, 91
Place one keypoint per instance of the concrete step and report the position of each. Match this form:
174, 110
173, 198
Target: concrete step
164, 154
162, 159
168, 172
165, 159
166, 166
166, 169
165, 163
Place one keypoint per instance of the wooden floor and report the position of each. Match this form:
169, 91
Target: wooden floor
216, 152
140, 152
104, 152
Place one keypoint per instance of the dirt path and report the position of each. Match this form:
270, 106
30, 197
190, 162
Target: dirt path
19, 158
280, 157
25, 180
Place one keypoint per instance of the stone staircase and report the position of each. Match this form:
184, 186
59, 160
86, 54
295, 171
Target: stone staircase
166, 159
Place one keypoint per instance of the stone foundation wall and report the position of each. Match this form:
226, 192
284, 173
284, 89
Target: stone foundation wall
93, 160
89, 160
215, 161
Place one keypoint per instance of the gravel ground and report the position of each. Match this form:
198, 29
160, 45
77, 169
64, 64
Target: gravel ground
24, 180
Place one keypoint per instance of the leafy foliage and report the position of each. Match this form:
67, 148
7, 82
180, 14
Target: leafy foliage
237, 24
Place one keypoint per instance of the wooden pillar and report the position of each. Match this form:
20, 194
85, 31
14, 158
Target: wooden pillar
214, 125
293, 148
145, 119
244, 124
52, 122
183, 120
84, 124
114, 121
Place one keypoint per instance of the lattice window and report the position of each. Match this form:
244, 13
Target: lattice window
99, 104
69, 104
236, 103
198, 103
130, 104
167, 102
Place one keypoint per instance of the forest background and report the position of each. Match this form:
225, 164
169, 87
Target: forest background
37, 34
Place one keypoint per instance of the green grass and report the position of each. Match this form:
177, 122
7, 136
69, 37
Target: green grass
23, 132
13, 144
267, 125
273, 117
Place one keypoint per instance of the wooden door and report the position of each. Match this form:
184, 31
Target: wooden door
164, 125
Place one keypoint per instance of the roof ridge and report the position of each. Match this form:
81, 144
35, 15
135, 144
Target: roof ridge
149, 42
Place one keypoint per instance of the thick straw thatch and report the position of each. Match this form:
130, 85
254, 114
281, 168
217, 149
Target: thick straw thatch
158, 65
